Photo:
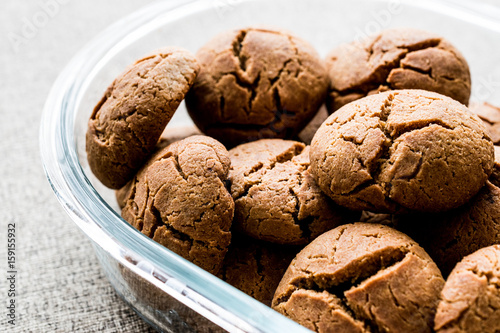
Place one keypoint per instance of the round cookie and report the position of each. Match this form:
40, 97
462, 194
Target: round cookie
256, 83
263, 265
396, 59
402, 150
179, 199
450, 236
276, 198
361, 277
471, 296
128, 121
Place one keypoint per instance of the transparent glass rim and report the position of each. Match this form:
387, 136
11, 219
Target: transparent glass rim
224, 305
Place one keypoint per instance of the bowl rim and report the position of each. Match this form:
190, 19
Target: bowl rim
221, 303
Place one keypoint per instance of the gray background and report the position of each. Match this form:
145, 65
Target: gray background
60, 286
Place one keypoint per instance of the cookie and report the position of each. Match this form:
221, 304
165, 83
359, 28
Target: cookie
128, 121
450, 236
402, 150
256, 267
169, 136
490, 115
361, 277
396, 59
256, 83
179, 199
471, 296
276, 198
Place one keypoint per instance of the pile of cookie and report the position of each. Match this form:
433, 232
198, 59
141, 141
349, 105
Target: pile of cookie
343, 218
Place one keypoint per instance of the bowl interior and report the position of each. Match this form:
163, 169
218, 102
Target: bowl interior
324, 23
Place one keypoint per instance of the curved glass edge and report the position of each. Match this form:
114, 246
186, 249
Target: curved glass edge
89, 211
187, 282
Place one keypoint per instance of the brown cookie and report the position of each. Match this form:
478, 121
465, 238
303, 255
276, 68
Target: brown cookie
490, 115
128, 121
179, 199
471, 296
402, 150
276, 198
450, 236
256, 83
169, 136
256, 267
361, 277
396, 59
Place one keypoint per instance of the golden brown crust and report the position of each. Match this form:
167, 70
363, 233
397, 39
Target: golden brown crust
471, 296
276, 197
396, 59
179, 199
360, 278
256, 83
402, 150
128, 121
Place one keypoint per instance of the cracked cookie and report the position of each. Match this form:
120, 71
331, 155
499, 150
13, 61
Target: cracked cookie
471, 296
361, 277
396, 59
402, 150
256, 83
179, 199
263, 265
169, 136
490, 115
128, 121
450, 236
276, 198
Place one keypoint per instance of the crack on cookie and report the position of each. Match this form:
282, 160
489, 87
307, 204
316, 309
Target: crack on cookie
158, 218
251, 87
254, 169
368, 267
419, 70
237, 45
307, 221
284, 157
378, 78
178, 166
370, 51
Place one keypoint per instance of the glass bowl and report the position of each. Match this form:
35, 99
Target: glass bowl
170, 293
